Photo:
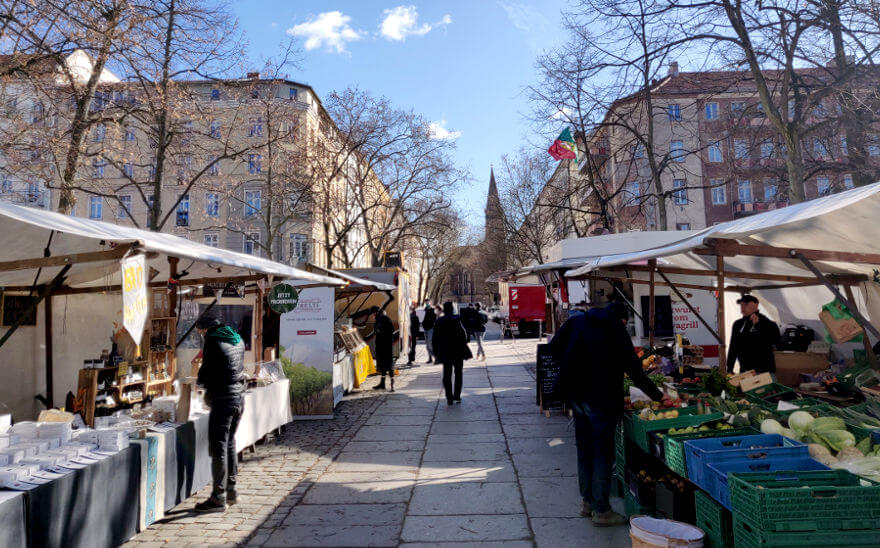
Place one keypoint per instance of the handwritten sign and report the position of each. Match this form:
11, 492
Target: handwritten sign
134, 296
547, 374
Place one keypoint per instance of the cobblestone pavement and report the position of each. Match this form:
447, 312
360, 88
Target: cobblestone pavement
405, 469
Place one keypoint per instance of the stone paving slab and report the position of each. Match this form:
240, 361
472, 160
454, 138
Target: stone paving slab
466, 438
541, 431
456, 452
369, 461
551, 497
465, 528
466, 427
351, 514
360, 492
440, 472
501, 544
555, 532
399, 420
336, 535
383, 446
466, 498
392, 433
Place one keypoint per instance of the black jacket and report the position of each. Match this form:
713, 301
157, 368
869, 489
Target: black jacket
430, 318
593, 351
752, 344
414, 323
222, 371
450, 340
384, 331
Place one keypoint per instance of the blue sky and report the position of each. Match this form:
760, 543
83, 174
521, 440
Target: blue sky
463, 64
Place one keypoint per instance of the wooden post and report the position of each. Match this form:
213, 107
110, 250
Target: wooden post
258, 327
50, 377
722, 328
172, 313
865, 340
651, 310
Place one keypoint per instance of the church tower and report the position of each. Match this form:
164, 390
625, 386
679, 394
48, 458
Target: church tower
493, 245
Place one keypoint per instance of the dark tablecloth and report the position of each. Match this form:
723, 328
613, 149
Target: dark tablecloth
187, 462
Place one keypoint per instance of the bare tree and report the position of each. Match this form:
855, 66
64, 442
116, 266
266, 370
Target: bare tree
438, 246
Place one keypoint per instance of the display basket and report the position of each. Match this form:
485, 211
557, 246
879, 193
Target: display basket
687, 417
700, 452
717, 472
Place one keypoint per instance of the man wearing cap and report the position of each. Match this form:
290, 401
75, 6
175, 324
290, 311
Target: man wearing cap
222, 376
752, 339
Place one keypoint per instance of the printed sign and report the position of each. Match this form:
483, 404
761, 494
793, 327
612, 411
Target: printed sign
283, 298
134, 296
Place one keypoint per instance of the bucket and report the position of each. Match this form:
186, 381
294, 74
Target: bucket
648, 532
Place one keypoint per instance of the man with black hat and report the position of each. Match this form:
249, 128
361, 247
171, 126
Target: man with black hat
383, 328
222, 376
752, 339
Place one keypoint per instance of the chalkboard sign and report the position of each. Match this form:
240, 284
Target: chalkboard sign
547, 372
14, 306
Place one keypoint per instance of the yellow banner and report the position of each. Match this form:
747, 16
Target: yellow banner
364, 365
134, 296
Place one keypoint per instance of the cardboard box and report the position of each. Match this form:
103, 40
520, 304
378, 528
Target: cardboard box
757, 381
789, 366
841, 331
737, 379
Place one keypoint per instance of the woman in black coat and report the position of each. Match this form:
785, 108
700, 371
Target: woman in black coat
451, 349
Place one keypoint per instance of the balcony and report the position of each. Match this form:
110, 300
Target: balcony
744, 209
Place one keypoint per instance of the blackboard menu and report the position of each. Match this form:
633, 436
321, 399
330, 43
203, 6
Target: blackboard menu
547, 372
16, 306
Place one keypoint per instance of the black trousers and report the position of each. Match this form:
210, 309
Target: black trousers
413, 340
222, 425
448, 368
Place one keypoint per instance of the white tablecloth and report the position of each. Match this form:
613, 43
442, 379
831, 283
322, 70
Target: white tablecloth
266, 408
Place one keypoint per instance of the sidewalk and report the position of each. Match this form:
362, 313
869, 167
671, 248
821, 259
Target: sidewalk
404, 468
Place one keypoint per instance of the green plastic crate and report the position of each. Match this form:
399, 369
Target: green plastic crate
747, 536
757, 395
797, 501
639, 428
674, 445
632, 507
803, 404
715, 520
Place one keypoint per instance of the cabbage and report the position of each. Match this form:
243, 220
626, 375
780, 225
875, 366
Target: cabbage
800, 420
836, 440
827, 423
771, 426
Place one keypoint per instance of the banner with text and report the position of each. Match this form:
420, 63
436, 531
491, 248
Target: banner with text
134, 296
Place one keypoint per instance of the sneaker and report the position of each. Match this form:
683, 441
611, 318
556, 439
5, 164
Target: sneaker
586, 509
608, 519
211, 505
231, 497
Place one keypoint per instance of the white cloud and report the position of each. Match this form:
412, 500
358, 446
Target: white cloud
530, 22
439, 132
403, 21
563, 113
330, 30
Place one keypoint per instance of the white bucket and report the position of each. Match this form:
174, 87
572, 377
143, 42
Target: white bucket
664, 533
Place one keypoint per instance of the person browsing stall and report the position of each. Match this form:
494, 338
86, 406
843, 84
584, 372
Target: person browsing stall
752, 339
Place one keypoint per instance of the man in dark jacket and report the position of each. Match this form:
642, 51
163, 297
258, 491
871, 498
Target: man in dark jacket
428, 325
752, 339
414, 326
593, 351
451, 349
222, 376
384, 342
479, 319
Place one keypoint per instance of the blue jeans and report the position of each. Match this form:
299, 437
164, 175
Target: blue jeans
594, 434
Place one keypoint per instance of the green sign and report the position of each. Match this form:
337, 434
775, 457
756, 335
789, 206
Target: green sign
283, 298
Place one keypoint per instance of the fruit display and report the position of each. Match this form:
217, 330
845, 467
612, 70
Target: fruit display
649, 414
716, 425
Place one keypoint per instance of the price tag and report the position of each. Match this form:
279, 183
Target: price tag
123, 369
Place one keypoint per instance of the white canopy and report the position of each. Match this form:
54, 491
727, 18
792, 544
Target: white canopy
26, 232
357, 284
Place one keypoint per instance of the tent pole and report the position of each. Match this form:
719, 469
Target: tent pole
865, 340
50, 381
258, 320
651, 310
722, 337
688, 304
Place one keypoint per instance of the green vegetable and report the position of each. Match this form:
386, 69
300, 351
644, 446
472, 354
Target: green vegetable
865, 445
800, 420
827, 423
715, 383
771, 426
836, 440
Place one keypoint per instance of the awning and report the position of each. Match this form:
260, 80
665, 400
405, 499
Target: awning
26, 232
355, 284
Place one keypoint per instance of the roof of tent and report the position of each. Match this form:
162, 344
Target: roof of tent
356, 284
840, 222
26, 232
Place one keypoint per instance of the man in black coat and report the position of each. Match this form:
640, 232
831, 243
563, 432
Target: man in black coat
222, 376
593, 351
428, 325
451, 349
752, 339
383, 328
414, 326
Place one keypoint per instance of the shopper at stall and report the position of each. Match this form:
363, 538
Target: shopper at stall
593, 351
428, 326
222, 376
451, 349
383, 329
479, 319
752, 339
414, 328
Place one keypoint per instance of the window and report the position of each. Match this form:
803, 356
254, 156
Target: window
183, 211
37, 114
212, 204
844, 150
149, 209
744, 190
759, 110
299, 247
184, 167
153, 171
215, 129
253, 202
633, 189
96, 207
715, 152
820, 150
719, 192
255, 163
213, 166
256, 127
186, 137
766, 149
679, 196
737, 108
215, 94
676, 151
711, 111
100, 132
128, 169
819, 111
682, 226
292, 94
251, 244
792, 109
771, 189
5, 185
124, 211
873, 146
129, 134
674, 113
848, 182
823, 185
98, 168
34, 195
638, 150
741, 149
212, 240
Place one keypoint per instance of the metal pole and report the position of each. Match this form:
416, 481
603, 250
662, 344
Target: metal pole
722, 344
651, 310
50, 377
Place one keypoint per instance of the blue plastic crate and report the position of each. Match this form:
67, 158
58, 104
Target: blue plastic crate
716, 472
703, 451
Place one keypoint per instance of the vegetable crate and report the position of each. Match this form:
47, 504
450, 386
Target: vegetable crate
772, 393
673, 502
687, 417
674, 445
747, 535
633, 508
717, 473
715, 520
804, 404
620, 450
700, 452
644, 492
790, 501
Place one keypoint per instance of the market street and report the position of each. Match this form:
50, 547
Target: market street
405, 469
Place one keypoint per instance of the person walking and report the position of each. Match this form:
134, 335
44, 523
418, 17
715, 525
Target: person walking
383, 329
428, 322
479, 320
752, 339
593, 351
414, 327
223, 378
467, 320
451, 349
